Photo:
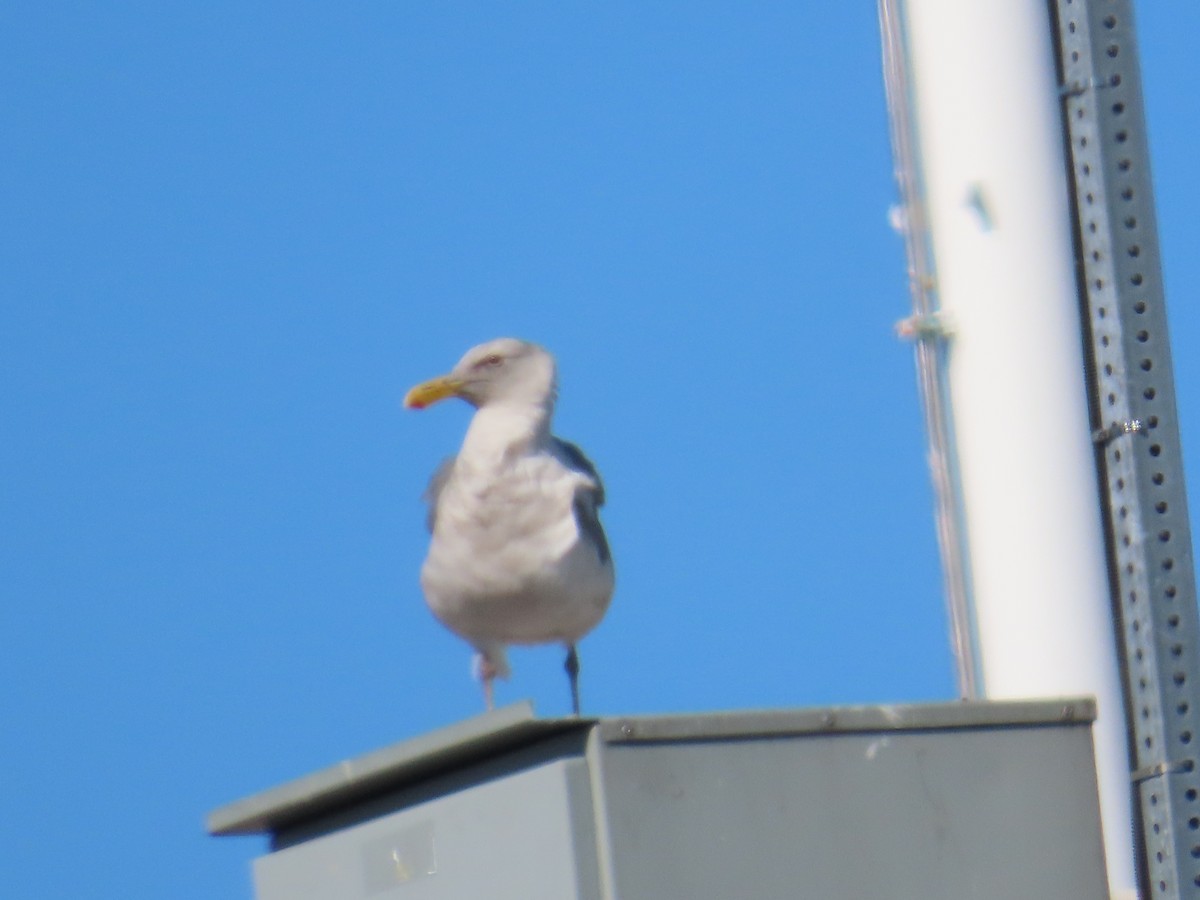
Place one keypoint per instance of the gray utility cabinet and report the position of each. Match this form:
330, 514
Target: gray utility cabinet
957, 800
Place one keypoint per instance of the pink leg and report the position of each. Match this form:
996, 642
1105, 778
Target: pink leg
486, 672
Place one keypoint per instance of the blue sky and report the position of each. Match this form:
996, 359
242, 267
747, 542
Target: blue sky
234, 234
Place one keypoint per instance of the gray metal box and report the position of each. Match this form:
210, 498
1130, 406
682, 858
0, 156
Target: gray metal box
979, 800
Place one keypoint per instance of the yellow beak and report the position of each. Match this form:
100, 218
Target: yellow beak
428, 392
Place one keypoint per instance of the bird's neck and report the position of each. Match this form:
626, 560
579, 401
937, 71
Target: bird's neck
502, 432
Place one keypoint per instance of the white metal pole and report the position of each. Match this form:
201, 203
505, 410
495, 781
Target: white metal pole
989, 134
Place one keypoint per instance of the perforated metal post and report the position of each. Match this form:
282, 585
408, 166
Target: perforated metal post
1136, 432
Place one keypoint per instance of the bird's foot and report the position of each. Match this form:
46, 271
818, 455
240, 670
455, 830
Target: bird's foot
572, 667
487, 670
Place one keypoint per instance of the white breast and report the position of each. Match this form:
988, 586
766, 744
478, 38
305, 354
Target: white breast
507, 562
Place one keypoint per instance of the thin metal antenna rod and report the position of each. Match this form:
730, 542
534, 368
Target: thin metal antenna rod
931, 336
1136, 430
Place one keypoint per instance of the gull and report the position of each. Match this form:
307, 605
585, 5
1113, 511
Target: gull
517, 553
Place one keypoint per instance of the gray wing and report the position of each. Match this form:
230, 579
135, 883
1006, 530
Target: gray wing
588, 499
434, 490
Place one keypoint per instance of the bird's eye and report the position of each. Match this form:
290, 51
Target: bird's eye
490, 362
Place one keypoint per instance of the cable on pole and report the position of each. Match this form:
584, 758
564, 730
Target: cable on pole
931, 335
